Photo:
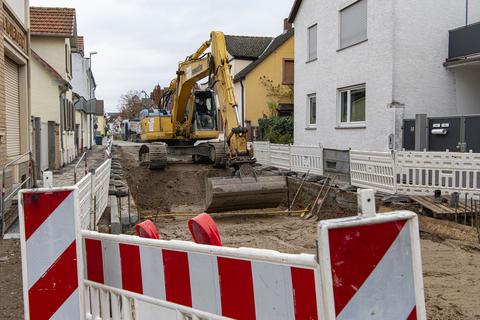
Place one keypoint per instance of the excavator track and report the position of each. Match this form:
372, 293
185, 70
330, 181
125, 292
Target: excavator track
220, 154
158, 157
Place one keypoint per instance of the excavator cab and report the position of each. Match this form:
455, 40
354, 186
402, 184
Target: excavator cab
205, 111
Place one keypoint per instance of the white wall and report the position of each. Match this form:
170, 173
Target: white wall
238, 65
52, 50
421, 82
369, 62
468, 90
401, 63
45, 94
79, 81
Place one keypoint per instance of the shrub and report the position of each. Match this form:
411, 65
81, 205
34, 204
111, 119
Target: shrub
277, 129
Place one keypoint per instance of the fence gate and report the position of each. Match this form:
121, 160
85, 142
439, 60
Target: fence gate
409, 134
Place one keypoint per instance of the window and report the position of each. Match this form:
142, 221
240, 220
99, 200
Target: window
312, 43
288, 71
352, 105
353, 24
311, 110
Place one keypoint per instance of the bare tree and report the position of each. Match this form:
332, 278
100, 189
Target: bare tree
130, 104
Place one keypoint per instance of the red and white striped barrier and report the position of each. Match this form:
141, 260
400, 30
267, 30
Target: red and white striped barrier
236, 283
51, 260
371, 267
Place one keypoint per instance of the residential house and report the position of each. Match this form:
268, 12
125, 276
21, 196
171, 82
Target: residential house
365, 67
84, 86
242, 51
53, 35
14, 94
266, 85
100, 118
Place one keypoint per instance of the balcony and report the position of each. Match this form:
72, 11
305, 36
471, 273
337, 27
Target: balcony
89, 107
464, 44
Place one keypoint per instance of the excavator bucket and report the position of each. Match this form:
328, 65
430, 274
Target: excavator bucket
228, 194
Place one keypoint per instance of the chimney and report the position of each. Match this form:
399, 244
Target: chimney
287, 26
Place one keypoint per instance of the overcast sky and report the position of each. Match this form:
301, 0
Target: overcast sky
140, 42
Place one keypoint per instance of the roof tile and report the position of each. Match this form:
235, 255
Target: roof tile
246, 47
52, 21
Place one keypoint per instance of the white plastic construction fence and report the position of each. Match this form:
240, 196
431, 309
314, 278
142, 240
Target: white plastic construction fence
365, 267
93, 195
416, 172
298, 158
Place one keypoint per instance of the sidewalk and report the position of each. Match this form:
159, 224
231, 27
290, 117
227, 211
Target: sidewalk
65, 176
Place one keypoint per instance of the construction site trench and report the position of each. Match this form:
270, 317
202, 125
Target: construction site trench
450, 252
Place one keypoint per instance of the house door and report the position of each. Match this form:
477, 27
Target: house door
409, 134
12, 101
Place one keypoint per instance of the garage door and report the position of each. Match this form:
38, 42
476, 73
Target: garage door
12, 99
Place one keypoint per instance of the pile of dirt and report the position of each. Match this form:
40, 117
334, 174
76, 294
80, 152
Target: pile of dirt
180, 187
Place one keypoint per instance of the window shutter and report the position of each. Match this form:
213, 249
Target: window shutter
353, 24
288, 71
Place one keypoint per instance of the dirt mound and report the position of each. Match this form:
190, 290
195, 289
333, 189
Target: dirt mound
178, 188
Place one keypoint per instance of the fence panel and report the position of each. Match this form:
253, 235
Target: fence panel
421, 173
280, 155
100, 190
261, 151
370, 169
304, 158
85, 198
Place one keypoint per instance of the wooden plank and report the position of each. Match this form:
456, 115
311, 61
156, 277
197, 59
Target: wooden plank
440, 208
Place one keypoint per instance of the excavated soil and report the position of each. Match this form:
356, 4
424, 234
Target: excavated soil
450, 252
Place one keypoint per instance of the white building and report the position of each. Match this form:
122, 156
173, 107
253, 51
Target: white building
53, 36
84, 86
363, 66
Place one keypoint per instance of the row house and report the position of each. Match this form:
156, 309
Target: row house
257, 63
386, 74
14, 94
53, 35
84, 87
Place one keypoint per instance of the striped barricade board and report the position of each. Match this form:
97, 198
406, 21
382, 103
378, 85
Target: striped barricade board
235, 283
51, 253
371, 267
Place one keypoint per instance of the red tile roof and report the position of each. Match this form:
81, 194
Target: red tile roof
80, 44
52, 21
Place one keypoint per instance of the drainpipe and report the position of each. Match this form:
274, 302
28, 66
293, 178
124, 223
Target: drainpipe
243, 103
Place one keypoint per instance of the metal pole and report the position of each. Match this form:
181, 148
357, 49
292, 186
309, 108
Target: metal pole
466, 12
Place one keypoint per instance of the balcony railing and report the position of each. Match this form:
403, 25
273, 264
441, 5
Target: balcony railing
464, 41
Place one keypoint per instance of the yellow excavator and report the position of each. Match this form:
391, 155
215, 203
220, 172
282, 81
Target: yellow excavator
187, 122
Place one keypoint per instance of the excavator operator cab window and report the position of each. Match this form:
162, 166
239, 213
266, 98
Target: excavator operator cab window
205, 116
